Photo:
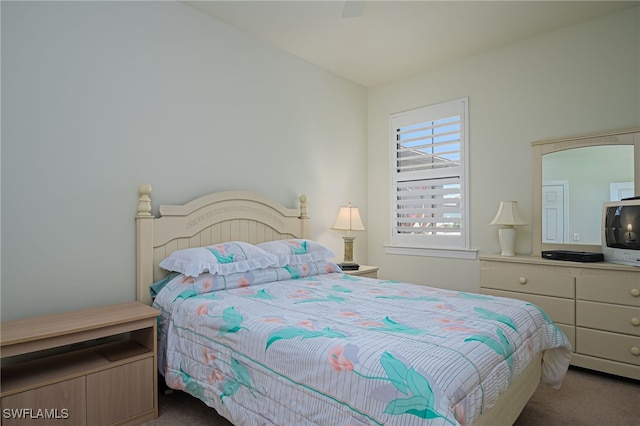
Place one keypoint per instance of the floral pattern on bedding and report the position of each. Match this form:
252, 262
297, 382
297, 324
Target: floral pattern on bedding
334, 349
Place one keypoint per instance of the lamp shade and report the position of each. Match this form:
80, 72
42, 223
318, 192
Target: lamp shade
348, 219
508, 214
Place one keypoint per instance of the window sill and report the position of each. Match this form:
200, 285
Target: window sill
432, 252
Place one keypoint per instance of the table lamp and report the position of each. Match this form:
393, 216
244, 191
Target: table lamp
348, 220
507, 217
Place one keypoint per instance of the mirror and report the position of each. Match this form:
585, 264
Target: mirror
573, 181
572, 177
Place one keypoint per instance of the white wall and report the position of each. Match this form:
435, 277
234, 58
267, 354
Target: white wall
98, 97
580, 79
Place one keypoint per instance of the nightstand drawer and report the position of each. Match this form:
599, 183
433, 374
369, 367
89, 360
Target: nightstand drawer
528, 280
602, 316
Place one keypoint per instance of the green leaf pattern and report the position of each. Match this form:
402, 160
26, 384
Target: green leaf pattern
420, 399
232, 321
241, 378
237, 377
558, 335
221, 257
494, 316
501, 346
329, 298
299, 250
413, 298
392, 326
303, 333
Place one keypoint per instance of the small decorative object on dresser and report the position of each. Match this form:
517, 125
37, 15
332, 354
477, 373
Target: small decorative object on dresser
91, 367
348, 220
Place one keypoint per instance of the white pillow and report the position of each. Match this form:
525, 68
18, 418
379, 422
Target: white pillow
223, 259
297, 251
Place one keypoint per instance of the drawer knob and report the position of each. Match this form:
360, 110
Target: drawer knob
522, 280
635, 321
635, 350
635, 292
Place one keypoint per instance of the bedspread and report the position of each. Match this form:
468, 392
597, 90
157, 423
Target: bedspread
335, 349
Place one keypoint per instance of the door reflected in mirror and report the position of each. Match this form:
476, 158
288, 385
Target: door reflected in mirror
575, 183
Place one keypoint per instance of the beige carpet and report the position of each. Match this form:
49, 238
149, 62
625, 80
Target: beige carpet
585, 399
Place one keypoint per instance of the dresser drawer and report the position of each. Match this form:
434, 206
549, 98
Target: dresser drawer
560, 310
541, 281
622, 289
602, 344
603, 316
570, 332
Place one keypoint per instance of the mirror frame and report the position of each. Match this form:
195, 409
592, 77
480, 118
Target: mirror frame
618, 137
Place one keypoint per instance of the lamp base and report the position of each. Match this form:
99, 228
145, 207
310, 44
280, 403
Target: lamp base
349, 266
507, 237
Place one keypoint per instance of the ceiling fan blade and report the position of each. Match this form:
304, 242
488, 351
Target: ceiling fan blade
353, 9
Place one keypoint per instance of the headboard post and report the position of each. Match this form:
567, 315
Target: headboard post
144, 245
144, 200
304, 215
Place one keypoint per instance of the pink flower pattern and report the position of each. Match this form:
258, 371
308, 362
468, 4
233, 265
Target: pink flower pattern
216, 376
338, 361
208, 356
202, 310
306, 324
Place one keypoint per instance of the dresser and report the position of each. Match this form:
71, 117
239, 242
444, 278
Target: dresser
597, 305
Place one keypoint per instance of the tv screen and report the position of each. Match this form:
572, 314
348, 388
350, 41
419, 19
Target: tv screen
622, 226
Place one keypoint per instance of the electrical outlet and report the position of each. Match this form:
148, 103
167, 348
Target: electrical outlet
576, 236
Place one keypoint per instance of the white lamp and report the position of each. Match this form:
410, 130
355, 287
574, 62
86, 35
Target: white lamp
507, 217
348, 220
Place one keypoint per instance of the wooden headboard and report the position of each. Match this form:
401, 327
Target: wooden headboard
207, 220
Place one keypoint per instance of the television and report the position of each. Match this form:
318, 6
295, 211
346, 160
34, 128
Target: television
621, 231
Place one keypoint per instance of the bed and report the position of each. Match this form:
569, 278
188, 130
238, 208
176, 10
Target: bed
271, 332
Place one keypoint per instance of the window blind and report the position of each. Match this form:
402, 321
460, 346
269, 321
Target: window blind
428, 191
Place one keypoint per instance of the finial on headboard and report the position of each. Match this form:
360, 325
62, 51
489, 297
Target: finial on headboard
144, 200
304, 212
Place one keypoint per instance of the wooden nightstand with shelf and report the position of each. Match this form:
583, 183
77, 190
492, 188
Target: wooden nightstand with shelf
90, 367
364, 271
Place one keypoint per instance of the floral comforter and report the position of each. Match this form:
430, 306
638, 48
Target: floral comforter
333, 349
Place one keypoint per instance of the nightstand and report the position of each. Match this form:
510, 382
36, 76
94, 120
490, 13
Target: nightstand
103, 369
364, 271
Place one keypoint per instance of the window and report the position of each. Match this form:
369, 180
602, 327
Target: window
429, 177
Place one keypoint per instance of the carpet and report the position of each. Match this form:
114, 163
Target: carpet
586, 398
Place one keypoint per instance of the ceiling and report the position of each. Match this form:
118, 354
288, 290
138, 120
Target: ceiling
387, 40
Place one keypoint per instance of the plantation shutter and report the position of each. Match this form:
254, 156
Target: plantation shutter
428, 191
